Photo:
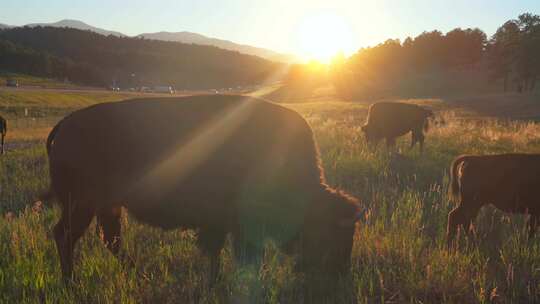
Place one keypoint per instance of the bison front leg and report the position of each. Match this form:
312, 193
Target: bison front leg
2, 143
211, 241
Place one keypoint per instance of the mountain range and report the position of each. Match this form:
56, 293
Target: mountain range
88, 58
194, 38
76, 24
182, 37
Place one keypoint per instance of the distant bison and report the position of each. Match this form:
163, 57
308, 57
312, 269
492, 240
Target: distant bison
510, 182
3, 132
219, 164
390, 120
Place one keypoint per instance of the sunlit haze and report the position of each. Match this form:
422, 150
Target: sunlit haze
309, 28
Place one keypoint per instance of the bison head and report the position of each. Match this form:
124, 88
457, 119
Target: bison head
371, 134
328, 239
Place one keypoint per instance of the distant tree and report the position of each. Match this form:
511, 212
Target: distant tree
514, 51
528, 66
464, 48
428, 51
392, 67
503, 51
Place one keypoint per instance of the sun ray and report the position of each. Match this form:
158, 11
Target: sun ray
188, 156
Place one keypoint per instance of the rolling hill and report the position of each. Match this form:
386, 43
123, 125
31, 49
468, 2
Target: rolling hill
194, 38
85, 57
76, 24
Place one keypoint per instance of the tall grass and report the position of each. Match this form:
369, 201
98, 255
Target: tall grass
399, 253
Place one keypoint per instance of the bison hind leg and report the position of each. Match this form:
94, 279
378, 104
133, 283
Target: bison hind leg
534, 221
460, 217
73, 222
109, 228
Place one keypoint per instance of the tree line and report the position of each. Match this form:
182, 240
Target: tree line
93, 59
514, 52
460, 61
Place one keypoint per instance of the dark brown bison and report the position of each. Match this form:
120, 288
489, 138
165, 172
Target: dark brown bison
3, 132
219, 164
510, 182
390, 120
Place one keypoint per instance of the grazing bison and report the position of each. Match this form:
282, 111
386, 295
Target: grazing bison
390, 120
3, 131
219, 164
510, 182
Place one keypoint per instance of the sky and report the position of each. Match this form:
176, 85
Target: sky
289, 26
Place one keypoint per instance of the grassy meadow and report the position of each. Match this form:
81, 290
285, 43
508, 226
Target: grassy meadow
28, 80
399, 253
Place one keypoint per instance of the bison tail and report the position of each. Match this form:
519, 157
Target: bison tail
49, 195
51, 136
453, 189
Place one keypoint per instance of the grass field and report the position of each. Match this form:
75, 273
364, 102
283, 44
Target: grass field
27, 80
399, 253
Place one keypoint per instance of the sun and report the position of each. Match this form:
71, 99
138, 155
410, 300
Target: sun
322, 36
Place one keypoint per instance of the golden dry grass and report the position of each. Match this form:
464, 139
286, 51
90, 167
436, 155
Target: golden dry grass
398, 256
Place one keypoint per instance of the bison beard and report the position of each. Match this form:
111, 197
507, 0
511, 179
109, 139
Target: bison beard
218, 164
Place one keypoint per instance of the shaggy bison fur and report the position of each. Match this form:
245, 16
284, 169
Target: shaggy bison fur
218, 164
390, 120
510, 182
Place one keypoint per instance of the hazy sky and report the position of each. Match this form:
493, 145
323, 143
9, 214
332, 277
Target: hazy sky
272, 23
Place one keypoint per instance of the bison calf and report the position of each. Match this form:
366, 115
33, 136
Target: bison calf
390, 120
218, 164
510, 182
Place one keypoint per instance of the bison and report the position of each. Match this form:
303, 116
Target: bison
510, 182
3, 132
218, 164
390, 120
